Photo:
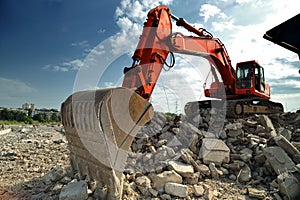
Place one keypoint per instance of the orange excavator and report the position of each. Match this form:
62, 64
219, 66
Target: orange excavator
245, 89
101, 124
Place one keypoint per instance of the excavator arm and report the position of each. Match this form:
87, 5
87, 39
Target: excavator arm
150, 54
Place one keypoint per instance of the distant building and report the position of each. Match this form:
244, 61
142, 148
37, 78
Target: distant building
27, 106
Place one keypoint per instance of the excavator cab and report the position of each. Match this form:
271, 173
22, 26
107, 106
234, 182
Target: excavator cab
250, 80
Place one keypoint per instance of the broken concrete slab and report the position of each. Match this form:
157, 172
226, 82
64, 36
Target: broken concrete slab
193, 179
183, 169
279, 160
234, 129
285, 132
214, 151
267, 123
190, 129
198, 190
244, 174
55, 174
288, 147
176, 189
256, 193
215, 173
186, 157
289, 185
260, 129
143, 183
74, 191
246, 154
159, 180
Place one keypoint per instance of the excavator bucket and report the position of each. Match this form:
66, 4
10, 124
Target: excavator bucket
286, 34
100, 126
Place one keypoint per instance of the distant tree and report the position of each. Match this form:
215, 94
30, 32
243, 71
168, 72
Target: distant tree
41, 117
29, 114
53, 110
20, 116
54, 117
3, 114
45, 116
12, 115
6, 114
28, 120
170, 116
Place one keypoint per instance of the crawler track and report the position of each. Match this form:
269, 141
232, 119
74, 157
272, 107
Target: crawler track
233, 108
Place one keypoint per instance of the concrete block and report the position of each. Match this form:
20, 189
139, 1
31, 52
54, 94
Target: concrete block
289, 185
159, 180
176, 189
267, 123
183, 169
279, 160
289, 148
214, 151
74, 191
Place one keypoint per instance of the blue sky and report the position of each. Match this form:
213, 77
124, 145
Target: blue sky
46, 47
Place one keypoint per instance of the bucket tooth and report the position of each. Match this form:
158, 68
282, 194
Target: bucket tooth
100, 126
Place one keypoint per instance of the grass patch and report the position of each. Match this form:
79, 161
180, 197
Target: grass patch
14, 122
10, 122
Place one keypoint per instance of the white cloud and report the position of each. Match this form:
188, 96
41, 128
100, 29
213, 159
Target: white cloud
125, 24
207, 11
243, 1
109, 84
101, 30
243, 26
74, 64
131, 15
137, 10
60, 68
71, 65
221, 26
275, 69
98, 50
82, 44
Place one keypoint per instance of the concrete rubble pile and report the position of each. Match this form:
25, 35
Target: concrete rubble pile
174, 157
260, 154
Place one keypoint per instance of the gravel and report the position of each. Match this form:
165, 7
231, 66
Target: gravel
165, 162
